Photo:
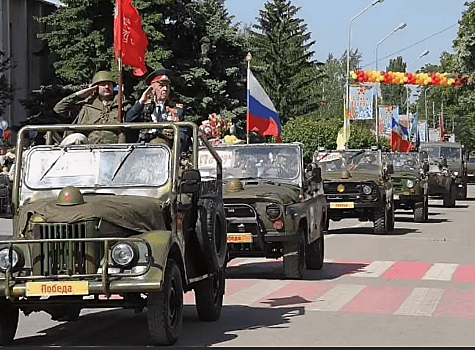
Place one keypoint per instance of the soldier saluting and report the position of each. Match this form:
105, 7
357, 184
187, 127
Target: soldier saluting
154, 106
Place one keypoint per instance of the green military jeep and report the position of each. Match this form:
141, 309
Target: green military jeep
135, 221
447, 171
357, 184
411, 183
274, 206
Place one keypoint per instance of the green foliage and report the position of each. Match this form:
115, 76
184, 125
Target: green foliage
282, 60
6, 89
323, 132
395, 95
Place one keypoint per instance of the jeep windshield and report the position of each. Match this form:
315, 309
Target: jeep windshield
449, 153
49, 167
355, 160
404, 161
256, 161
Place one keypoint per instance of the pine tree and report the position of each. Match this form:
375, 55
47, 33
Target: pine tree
6, 89
282, 60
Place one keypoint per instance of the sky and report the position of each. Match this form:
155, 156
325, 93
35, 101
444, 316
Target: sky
328, 21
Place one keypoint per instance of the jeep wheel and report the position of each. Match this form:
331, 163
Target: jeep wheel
165, 308
419, 212
390, 219
294, 258
8, 321
209, 296
211, 233
426, 208
449, 197
314, 254
379, 223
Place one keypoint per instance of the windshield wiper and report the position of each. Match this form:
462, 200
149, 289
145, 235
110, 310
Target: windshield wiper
129, 152
52, 165
356, 154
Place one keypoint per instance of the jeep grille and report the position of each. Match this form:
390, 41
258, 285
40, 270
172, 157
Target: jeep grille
350, 187
69, 257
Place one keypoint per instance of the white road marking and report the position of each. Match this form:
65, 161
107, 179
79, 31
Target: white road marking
421, 302
375, 269
335, 298
440, 272
255, 292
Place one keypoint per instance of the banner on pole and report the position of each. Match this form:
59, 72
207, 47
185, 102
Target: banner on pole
422, 129
361, 102
385, 120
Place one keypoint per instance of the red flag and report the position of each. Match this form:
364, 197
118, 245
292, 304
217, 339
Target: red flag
134, 42
398, 143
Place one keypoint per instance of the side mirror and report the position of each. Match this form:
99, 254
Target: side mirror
317, 174
190, 181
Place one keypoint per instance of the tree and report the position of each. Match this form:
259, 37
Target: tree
283, 62
395, 95
6, 89
195, 39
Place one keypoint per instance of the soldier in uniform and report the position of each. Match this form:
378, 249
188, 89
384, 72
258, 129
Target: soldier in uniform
155, 106
96, 104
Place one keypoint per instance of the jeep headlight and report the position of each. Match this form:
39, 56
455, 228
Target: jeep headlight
16, 259
410, 184
456, 173
125, 254
273, 211
367, 189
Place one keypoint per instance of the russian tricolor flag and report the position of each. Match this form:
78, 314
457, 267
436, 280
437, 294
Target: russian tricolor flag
399, 135
261, 113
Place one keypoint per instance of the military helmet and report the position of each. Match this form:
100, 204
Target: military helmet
345, 174
234, 185
102, 76
70, 195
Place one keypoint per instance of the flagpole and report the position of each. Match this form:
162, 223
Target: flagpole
248, 59
119, 60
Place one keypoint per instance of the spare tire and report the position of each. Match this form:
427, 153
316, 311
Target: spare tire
211, 232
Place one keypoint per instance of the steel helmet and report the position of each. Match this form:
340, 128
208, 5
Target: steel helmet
70, 195
234, 185
102, 76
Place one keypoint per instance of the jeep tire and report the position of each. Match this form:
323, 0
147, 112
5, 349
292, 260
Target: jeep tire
390, 219
211, 233
314, 254
294, 258
449, 197
8, 321
426, 208
379, 223
419, 212
209, 296
165, 308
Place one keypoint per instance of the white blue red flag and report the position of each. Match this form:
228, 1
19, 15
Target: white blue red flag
261, 113
399, 135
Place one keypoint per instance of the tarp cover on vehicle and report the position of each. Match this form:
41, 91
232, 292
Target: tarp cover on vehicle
136, 213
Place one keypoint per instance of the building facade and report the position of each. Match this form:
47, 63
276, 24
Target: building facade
18, 40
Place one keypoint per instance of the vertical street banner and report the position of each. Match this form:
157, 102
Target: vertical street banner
422, 128
385, 120
361, 102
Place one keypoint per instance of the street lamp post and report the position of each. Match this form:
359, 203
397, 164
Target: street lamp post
400, 26
374, 2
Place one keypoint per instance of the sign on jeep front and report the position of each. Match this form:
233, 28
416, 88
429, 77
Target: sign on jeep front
95, 220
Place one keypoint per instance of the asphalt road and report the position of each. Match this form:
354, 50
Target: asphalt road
414, 287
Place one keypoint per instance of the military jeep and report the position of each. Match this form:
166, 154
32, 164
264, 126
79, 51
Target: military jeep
112, 225
447, 171
274, 207
357, 184
410, 182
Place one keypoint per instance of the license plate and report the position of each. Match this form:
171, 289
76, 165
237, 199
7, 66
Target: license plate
240, 238
396, 197
344, 205
37, 289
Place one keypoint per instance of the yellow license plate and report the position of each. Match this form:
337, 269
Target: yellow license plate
37, 289
343, 205
239, 238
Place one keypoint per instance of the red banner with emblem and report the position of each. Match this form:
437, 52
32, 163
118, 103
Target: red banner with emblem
130, 41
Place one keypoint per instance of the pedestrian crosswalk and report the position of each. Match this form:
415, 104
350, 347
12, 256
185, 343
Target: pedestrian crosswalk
452, 296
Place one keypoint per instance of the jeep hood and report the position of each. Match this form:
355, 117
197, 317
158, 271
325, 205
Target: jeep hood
283, 194
355, 176
136, 213
405, 175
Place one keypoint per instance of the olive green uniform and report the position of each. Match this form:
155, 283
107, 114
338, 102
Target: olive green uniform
93, 111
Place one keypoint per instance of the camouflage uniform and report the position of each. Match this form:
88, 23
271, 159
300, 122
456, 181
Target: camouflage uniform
93, 111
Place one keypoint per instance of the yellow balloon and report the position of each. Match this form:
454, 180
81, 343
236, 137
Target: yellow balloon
354, 76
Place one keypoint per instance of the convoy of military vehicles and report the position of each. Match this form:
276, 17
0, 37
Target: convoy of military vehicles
146, 223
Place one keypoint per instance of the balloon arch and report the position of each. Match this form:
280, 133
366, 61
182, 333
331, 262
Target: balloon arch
393, 78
